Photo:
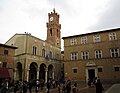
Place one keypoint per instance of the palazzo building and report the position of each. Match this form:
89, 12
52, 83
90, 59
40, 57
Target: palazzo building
7, 54
90, 55
36, 58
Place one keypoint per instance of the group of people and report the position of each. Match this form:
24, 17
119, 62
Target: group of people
62, 86
22, 87
66, 87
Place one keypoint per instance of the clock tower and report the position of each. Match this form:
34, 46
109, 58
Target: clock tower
53, 29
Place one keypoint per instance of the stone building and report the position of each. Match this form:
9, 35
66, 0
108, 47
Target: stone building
7, 54
90, 55
36, 58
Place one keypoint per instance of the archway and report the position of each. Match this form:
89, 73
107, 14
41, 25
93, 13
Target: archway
19, 71
42, 72
50, 72
33, 71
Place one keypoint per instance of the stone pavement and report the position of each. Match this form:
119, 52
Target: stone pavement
82, 87
92, 89
114, 89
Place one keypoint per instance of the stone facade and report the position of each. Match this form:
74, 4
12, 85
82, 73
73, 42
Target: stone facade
36, 58
92, 55
7, 54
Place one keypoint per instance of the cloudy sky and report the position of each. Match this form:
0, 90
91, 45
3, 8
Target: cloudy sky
76, 16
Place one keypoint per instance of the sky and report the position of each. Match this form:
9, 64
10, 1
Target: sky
76, 16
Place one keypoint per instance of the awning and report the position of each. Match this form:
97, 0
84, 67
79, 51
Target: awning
4, 73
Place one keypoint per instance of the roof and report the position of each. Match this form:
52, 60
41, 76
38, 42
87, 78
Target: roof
4, 73
4, 45
25, 34
109, 30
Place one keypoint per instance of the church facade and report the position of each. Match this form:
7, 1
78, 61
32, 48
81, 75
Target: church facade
36, 58
91, 55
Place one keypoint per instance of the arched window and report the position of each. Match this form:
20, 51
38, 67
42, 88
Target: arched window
43, 53
34, 50
51, 32
50, 54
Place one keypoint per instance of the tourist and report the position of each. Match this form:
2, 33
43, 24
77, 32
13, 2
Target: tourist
75, 88
68, 86
89, 82
30, 86
48, 86
99, 87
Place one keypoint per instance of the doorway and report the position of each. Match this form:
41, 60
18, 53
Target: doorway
91, 74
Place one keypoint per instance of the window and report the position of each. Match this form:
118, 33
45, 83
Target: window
74, 56
100, 70
74, 70
57, 33
73, 41
4, 64
98, 54
34, 50
84, 40
117, 68
43, 53
5, 52
85, 55
112, 36
114, 52
57, 57
50, 54
96, 38
51, 32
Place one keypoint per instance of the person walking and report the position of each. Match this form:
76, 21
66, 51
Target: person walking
48, 86
24, 87
37, 86
15, 87
30, 86
89, 82
68, 86
75, 88
99, 87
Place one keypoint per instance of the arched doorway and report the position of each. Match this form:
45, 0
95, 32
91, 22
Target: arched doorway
42, 72
19, 71
50, 72
33, 71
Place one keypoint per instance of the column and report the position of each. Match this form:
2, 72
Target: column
15, 73
53, 75
27, 75
38, 73
46, 73
86, 70
28, 72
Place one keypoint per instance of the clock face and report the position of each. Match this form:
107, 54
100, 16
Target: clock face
51, 18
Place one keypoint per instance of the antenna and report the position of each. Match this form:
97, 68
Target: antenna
52, 2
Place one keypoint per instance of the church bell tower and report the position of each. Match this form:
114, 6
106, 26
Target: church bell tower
53, 29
